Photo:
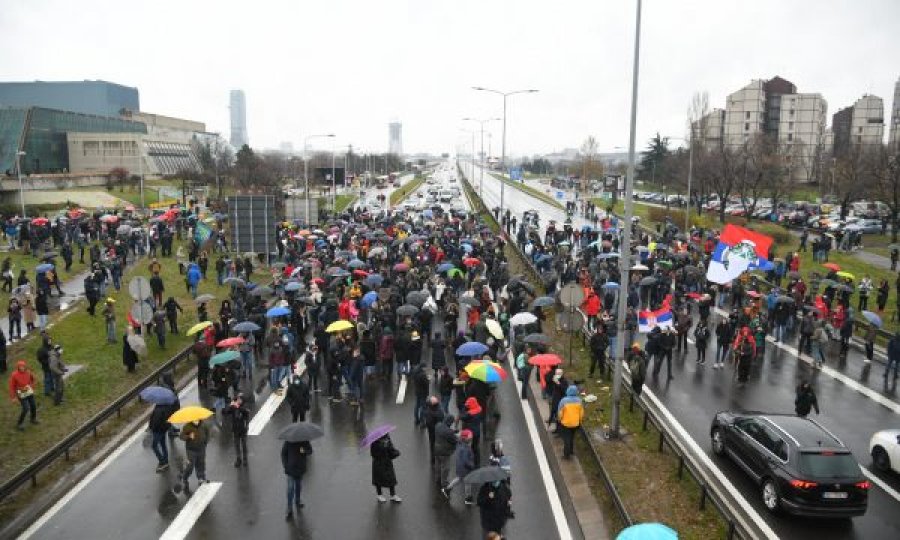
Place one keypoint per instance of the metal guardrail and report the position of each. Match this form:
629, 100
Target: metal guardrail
713, 484
63, 448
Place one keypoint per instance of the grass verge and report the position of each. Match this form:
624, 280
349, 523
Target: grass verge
399, 194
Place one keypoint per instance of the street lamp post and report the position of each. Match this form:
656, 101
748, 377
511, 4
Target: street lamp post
472, 173
306, 168
625, 246
19, 155
333, 183
481, 124
503, 152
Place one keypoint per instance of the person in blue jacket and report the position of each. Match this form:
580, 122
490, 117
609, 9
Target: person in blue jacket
193, 279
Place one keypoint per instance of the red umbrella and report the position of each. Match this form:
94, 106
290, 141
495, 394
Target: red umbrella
360, 273
401, 267
318, 281
230, 342
753, 294
832, 266
109, 218
545, 360
471, 261
40, 221
75, 213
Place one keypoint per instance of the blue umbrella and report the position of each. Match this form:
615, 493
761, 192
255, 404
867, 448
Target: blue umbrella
41, 268
246, 326
321, 243
278, 312
873, 318
648, 531
158, 395
610, 285
471, 348
428, 213
543, 301
356, 263
466, 247
293, 286
445, 267
368, 299
586, 228
373, 280
545, 257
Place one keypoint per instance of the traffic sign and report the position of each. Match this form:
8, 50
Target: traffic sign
515, 173
570, 321
142, 312
560, 195
139, 288
571, 295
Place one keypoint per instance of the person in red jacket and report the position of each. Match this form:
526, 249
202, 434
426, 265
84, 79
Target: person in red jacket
21, 387
745, 351
591, 307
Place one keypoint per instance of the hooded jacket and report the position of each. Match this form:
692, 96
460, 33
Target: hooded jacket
21, 381
570, 410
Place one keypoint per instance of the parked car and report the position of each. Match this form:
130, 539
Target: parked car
884, 447
800, 467
866, 226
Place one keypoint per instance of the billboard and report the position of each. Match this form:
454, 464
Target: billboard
252, 222
322, 176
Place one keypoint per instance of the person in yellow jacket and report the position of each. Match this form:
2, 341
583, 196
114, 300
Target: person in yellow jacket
569, 413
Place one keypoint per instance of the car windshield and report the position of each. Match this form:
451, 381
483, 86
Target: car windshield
828, 465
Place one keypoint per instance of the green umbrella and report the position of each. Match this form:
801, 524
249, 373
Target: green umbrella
224, 357
454, 272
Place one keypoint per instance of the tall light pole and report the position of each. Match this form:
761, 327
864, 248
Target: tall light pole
625, 246
472, 133
503, 152
481, 123
19, 155
333, 186
306, 168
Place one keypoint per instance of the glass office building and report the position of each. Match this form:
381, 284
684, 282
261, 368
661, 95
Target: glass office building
41, 133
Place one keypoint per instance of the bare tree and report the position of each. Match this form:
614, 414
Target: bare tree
852, 176
716, 171
886, 183
763, 168
589, 162
698, 116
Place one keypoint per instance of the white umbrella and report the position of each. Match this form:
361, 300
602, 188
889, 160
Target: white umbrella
522, 318
137, 343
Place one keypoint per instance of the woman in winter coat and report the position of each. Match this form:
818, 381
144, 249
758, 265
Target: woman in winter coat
293, 460
383, 455
806, 400
494, 502
129, 357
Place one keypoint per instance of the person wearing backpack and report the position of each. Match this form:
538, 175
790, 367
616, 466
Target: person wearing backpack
570, 412
701, 338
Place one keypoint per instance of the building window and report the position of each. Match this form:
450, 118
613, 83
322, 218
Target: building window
790, 125
792, 112
790, 136
748, 115
747, 126
859, 138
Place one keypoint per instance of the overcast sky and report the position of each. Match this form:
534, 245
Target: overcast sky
352, 66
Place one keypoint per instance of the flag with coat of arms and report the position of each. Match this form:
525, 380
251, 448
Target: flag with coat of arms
738, 250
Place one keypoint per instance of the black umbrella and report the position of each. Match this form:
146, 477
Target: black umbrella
486, 475
417, 298
470, 301
784, 300
407, 310
649, 280
300, 431
537, 338
261, 290
543, 301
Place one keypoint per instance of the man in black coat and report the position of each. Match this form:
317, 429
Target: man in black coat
421, 386
433, 415
240, 422
293, 460
445, 440
494, 502
298, 398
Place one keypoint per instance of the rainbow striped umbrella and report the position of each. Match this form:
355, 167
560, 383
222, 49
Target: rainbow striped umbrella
483, 370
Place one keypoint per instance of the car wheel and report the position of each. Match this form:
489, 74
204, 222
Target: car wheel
880, 459
770, 497
717, 440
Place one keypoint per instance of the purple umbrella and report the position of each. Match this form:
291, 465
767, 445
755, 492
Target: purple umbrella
376, 434
158, 395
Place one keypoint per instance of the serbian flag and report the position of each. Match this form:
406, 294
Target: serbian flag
739, 250
662, 318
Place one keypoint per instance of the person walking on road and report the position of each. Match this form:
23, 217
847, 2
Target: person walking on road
745, 348
21, 387
420, 386
820, 341
383, 476
701, 339
570, 414
806, 400
297, 397
195, 436
724, 336
465, 463
293, 459
893, 360
807, 329
431, 417
599, 342
240, 422
495, 505
445, 441
666, 346
159, 426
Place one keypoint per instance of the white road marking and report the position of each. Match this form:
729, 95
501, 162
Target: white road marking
401, 392
559, 516
79, 487
881, 483
191, 511
264, 414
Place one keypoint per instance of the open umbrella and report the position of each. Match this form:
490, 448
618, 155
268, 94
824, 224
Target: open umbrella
470, 301
138, 345
376, 434
293, 286
198, 327
543, 301
40, 221
832, 266
246, 326
356, 264
262, 290
158, 395
445, 267
417, 298
486, 475
231, 342
401, 267
454, 272
300, 431
407, 310
368, 299
234, 281
647, 531
610, 285
522, 318
278, 311
545, 360
873, 318
489, 372
494, 328
846, 275
537, 338
640, 267
339, 326
41, 268
224, 358
471, 261
204, 298
649, 280
189, 414
373, 280
471, 348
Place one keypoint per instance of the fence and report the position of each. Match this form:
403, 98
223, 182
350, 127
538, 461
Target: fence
91, 427
713, 485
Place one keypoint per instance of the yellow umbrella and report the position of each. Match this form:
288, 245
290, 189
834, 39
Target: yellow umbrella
494, 328
198, 327
189, 414
338, 326
847, 275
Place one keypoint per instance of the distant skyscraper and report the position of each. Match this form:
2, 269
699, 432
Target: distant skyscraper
395, 138
238, 119
894, 133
